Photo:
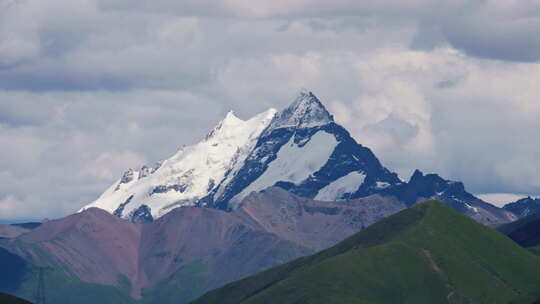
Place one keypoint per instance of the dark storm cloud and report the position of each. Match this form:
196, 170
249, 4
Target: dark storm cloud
515, 40
503, 30
121, 45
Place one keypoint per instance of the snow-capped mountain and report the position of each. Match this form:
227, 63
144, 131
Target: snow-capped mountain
187, 176
304, 151
300, 149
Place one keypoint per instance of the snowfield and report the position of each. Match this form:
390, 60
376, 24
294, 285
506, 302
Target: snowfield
192, 172
293, 163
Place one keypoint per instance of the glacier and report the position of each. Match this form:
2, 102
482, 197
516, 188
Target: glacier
347, 184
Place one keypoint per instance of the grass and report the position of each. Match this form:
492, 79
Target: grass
63, 288
185, 285
425, 254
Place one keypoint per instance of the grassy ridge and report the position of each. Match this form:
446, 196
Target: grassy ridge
425, 254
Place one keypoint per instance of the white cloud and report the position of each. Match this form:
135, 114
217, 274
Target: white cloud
440, 111
500, 199
89, 88
12, 209
107, 165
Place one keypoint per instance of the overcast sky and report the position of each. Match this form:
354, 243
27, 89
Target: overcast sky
89, 88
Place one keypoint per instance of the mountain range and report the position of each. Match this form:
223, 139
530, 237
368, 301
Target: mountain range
189, 250
300, 149
251, 195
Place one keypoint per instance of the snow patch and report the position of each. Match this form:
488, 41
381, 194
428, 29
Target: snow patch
471, 207
293, 163
346, 184
382, 185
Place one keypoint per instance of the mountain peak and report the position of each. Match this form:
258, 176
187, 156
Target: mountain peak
231, 116
306, 111
416, 175
230, 119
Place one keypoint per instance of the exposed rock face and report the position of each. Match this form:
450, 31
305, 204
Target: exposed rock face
143, 214
270, 228
431, 186
524, 207
306, 111
230, 245
315, 224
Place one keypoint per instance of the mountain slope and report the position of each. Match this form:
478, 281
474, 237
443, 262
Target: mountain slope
188, 175
525, 232
315, 224
424, 254
524, 207
11, 231
20, 277
93, 246
422, 187
305, 152
189, 250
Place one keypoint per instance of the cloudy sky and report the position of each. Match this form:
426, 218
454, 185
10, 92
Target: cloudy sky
89, 88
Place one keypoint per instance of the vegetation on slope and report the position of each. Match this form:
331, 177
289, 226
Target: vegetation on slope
62, 288
185, 285
425, 254
17, 277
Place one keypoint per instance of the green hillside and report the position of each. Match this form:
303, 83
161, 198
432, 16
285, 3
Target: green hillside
61, 288
425, 254
19, 278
